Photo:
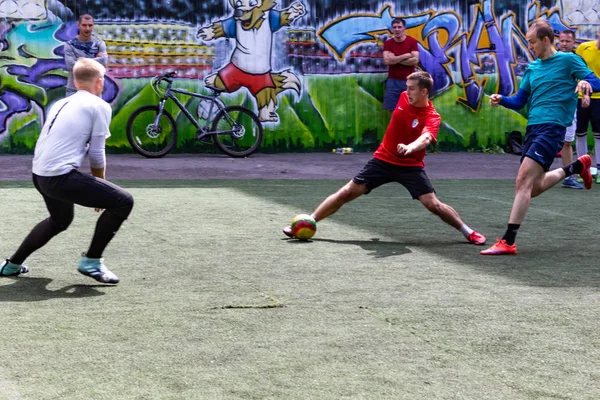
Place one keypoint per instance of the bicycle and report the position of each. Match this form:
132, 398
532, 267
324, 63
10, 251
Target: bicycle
152, 131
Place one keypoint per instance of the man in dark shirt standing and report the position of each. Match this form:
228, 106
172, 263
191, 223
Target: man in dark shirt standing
401, 54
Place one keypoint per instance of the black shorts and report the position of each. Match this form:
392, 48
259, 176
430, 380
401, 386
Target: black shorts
542, 142
588, 115
63, 191
376, 173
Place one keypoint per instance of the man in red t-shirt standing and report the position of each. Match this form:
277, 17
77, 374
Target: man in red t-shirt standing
399, 158
401, 54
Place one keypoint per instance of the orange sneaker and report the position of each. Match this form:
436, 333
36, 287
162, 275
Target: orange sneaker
476, 238
500, 248
585, 174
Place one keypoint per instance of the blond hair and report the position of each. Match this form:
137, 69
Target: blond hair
87, 70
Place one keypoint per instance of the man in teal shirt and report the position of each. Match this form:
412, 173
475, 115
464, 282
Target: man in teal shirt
547, 89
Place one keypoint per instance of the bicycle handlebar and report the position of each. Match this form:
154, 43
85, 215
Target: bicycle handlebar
166, 77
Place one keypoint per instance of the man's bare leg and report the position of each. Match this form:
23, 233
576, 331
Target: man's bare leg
334, 202
451, 217
530, 175
531, 182
566, 154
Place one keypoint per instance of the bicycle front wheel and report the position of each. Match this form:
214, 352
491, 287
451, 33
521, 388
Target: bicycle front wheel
238, 131
147, 138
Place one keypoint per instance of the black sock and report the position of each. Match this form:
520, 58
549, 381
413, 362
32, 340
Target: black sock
573, 168
511, 234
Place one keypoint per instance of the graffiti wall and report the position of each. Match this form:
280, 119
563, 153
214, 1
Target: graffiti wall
313, 71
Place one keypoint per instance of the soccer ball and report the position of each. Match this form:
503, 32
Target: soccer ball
303, 226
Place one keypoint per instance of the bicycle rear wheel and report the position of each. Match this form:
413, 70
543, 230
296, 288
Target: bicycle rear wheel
148, 139
244, 131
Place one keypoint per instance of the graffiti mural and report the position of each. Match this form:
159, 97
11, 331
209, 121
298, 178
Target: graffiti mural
252, 26
312, 70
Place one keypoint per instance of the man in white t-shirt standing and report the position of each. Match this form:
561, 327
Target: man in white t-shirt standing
567, 44
76, 126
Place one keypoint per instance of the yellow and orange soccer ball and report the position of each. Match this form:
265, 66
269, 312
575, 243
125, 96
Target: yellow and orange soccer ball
303, 226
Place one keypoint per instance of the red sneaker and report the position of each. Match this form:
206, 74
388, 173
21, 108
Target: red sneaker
287, 231
476, 238
500, 248
585, 174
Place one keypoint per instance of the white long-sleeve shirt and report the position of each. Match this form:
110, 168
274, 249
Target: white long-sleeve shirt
76, 125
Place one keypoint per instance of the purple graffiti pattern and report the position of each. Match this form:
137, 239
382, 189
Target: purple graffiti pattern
40, 74
15, 103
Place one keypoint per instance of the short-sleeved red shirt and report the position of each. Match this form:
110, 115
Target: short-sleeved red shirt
407, 124
399, 71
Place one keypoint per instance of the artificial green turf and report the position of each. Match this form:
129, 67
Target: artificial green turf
385, 302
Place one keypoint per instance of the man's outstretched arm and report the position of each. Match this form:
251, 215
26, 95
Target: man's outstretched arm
515, 102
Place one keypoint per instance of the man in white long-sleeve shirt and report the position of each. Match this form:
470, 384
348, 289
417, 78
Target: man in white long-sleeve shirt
85, 45
76, 125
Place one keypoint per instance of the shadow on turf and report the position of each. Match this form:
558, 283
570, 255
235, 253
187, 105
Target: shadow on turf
375, 247
35, 289
555, 266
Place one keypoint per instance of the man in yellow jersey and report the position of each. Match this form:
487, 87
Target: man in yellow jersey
590, 52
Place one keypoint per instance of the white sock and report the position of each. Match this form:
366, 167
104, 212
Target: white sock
466, 230
581, 146
314, 217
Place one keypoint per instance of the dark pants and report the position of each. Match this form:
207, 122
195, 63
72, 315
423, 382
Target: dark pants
60, 194
393, 90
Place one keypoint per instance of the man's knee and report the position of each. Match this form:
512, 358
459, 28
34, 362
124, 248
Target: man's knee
529, 173
434, 207
344, 195
125, 207
128, 204
61, 223
431, 203
349, 192
524, 182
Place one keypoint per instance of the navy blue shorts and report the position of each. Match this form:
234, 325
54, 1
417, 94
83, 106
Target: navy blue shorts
588, 115
543, 142
376, 173
393, 90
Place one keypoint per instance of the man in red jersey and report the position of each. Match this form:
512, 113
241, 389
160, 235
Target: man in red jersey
399, 158
401, 55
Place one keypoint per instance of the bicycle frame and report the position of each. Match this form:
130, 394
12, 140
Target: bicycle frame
204, 131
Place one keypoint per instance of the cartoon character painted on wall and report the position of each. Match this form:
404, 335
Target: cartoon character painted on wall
252, 25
